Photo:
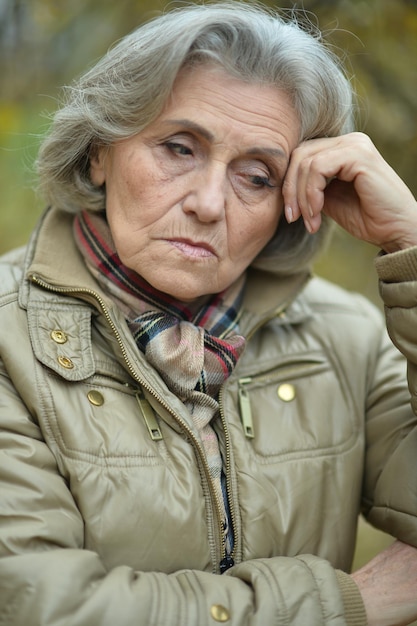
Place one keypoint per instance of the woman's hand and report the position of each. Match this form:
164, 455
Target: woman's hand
347, 179
388, 585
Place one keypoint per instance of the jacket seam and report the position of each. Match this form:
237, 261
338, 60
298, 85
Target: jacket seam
307, 567
10, 297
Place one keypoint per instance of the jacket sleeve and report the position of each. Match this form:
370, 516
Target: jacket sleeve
391, 475
398, 288
47, 578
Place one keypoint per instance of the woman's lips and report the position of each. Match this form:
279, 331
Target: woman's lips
195, 249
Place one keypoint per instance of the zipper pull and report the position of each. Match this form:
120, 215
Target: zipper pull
149, 417
226, 563
245, 409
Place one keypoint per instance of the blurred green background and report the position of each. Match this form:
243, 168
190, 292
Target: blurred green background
45, 43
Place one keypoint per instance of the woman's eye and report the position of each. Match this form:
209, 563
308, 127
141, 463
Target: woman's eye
178, 148
261, 181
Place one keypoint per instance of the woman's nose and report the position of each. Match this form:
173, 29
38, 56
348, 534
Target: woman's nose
207, 195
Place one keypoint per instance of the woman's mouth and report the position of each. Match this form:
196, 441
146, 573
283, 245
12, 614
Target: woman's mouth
195, 249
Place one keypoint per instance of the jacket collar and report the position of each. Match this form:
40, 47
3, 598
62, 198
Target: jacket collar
273, 297
54, 258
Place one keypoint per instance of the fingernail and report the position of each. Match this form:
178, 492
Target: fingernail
308, 226
289, 214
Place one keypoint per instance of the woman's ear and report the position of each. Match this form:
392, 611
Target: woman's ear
97, 170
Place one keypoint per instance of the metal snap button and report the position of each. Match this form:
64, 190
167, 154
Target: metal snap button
219, 613
286, 392
95, 397
59, 336
65, 362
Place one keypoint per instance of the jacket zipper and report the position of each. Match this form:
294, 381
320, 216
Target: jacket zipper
146, 409
228, 560
245, 408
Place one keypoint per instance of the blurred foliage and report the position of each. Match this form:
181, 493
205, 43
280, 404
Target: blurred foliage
45, 43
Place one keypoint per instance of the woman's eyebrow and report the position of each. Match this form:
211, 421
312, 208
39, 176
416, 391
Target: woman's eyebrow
276, 153
192, 126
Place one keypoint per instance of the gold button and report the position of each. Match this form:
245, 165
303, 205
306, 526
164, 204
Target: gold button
59, 336
65, 362
286, 392
95, 397
219, 613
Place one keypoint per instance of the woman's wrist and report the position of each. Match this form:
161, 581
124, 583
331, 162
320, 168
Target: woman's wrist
388, 585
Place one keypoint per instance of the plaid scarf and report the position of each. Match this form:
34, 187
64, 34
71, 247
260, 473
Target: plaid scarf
193, 347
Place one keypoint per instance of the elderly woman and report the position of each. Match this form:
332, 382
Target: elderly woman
179, 397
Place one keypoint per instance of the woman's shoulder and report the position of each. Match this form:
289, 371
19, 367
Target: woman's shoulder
343, 317
323, 295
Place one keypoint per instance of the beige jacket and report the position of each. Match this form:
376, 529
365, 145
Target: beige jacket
107, 513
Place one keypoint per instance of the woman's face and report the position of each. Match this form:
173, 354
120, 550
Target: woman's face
192, 199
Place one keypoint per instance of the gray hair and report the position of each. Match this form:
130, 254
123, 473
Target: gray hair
128, 88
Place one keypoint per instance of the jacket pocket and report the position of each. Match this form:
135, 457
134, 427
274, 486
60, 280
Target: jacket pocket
100, 422
296, 408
